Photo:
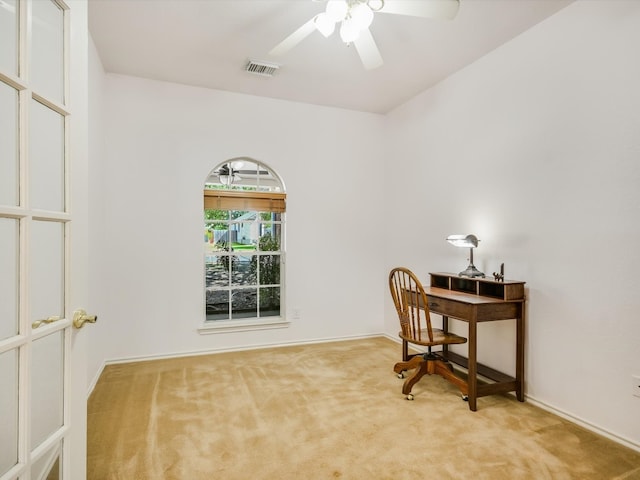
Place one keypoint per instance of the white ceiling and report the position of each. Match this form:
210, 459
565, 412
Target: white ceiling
207, 43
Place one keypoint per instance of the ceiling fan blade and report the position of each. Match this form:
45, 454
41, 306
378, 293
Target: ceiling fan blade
294, 39
368, 50
442, 9
253, 173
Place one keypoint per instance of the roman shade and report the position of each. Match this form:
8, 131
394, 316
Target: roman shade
244, 200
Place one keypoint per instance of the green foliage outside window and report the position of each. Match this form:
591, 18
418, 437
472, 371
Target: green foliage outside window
269, 271
222, 215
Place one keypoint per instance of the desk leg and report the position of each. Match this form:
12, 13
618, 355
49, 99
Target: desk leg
445, 328
472, 381
520, 354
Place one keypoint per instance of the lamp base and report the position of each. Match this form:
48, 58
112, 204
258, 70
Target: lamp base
471, 271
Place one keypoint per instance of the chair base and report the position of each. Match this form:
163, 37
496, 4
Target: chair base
429, 364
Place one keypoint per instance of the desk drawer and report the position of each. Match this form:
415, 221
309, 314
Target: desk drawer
450, 308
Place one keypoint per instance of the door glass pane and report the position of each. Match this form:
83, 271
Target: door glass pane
47, 467
46, 148
8, 143
47, 63
8, 277
47, 270
46, 387
9, 410
9, 36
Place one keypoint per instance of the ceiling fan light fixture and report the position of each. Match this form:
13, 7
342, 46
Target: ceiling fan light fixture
349, 30
362, 15
337, 10
355, 18
375, 5
324, 24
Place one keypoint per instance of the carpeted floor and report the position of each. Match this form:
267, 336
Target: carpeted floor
325, 411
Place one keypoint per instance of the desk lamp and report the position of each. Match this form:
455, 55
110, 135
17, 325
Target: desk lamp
471, 242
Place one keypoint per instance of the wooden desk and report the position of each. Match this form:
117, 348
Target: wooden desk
475, 300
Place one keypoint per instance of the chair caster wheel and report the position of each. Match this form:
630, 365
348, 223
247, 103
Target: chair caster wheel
465, 398
401, 375
410, 397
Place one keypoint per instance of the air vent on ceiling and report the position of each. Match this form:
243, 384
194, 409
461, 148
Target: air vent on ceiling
261, 68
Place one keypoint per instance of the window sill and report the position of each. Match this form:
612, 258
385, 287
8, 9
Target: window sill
230, 326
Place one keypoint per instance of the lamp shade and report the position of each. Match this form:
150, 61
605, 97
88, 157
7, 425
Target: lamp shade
469, 241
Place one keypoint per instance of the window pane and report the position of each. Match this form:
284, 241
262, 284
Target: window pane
9, 410
46, 385
8, 143
243, 270
244, 303
270, 302
214, 243
47, 65
245, 234
8, 277
47, 158
217, 304
216, 225
270, 238
9, 36
269, 270
271, 216
217, 271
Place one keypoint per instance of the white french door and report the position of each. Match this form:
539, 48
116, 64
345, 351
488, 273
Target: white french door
42, 153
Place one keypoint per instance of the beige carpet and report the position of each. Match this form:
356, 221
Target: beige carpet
325, 411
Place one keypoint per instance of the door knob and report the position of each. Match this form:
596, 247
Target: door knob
80, 317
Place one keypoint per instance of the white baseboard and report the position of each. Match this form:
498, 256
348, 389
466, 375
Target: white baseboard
583, 423
194, 353
95, 379
572, 418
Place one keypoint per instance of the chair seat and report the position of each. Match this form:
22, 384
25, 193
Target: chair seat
439, 338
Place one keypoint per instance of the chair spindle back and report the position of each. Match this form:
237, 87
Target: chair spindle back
411, 304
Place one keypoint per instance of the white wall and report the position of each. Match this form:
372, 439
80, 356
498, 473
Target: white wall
160, 142
535, 148
99, 332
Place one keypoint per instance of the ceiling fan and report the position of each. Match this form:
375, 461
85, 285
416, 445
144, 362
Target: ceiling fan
230, 172
355, 16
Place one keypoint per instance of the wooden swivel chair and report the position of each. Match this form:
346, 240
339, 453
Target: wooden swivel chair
412, 306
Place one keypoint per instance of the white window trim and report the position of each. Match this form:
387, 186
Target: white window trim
253, 323
230, 326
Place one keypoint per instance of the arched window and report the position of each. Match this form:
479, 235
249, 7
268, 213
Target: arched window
244, 206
